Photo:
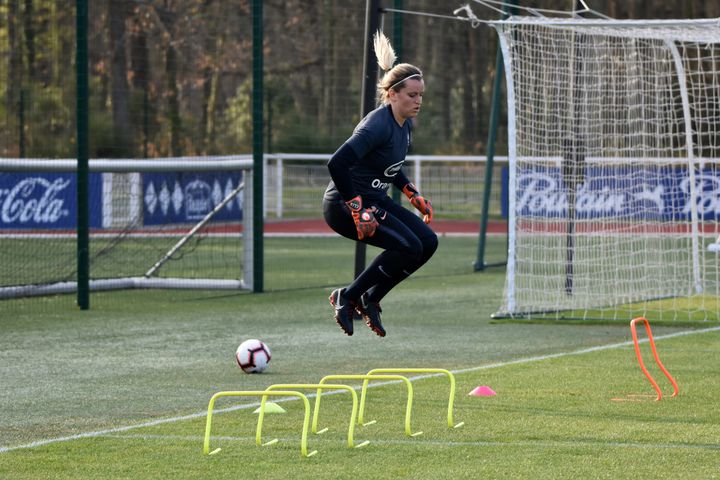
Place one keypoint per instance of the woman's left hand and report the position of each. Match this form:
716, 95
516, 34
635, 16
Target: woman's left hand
418, 201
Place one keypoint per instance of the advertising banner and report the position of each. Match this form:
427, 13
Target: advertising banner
48, 201
615, 191
187, 197
44, 201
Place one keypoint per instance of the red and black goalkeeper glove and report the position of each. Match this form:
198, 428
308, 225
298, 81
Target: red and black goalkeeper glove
418, 201
364, 218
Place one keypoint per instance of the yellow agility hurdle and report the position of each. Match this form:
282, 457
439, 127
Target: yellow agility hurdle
361, 413
320, 387
447, 373
258, 434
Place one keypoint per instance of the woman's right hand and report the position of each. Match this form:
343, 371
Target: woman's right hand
364, 218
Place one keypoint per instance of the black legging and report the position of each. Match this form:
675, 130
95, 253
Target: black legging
408, 243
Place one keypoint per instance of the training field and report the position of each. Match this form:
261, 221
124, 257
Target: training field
121, 391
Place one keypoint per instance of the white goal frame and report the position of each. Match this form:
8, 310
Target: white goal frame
228, 163
691, 31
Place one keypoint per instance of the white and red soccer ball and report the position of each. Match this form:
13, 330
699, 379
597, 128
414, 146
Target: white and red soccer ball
252, 356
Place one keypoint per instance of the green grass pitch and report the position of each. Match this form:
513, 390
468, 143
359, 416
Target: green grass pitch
120, 391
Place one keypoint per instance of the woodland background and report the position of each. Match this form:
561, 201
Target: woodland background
174, 77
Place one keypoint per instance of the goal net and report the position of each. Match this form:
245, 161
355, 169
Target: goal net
614, 187
156, 223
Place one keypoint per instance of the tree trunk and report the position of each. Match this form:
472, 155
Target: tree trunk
140, 66
14, 81
173, 101
120, 90
214, 43
168, 18
29, 34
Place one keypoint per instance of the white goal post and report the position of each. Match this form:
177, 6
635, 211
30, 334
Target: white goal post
181, 222
614, 152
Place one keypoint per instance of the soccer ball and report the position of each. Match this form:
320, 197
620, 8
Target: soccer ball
253, 356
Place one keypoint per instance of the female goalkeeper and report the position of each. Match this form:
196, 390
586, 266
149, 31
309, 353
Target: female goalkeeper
356, 204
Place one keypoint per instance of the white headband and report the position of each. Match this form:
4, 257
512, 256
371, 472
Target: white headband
409, 76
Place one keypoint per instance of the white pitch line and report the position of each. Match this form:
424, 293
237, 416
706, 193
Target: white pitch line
586, 350
192, 416
450, 443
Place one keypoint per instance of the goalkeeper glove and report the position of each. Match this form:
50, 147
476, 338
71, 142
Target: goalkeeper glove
364, 218
418, 201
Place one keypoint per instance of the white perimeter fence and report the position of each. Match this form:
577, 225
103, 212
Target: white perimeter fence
295, 182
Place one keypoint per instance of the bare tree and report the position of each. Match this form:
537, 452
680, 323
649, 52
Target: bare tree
118, 11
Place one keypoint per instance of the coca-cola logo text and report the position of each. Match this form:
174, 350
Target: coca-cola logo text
33, 199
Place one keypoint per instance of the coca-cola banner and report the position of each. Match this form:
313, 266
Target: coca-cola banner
48, 200
188, 197
612, 191
44, 201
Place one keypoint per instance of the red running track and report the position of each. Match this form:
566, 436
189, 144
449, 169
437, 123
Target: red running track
272, 227
441, 227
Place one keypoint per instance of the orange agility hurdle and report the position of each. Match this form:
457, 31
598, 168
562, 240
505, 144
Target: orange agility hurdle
633, 329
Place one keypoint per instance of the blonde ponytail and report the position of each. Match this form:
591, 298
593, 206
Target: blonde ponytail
384, 52
395, 75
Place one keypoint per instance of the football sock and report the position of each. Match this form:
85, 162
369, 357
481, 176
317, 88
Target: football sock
385, 267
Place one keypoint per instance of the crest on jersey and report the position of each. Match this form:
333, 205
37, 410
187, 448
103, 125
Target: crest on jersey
393, 170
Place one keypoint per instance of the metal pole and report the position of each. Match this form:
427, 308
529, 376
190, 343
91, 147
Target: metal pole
492, 137
397, 36
81, 104
257, 122
370, 72
397, 39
